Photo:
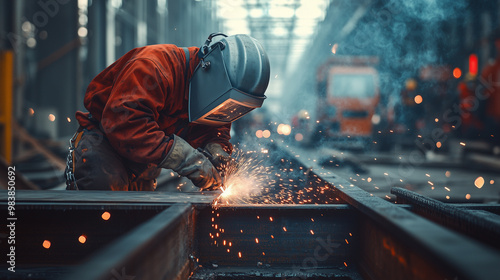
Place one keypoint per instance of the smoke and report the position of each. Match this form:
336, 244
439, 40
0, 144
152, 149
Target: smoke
406, 36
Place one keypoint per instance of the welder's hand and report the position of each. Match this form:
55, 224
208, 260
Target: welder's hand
188, 162
219, 157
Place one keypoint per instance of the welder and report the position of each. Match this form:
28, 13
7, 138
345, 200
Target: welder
163, 106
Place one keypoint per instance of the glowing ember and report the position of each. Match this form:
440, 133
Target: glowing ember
105, 216
82, 239
46, 244
418, 99
239, 254
479, 182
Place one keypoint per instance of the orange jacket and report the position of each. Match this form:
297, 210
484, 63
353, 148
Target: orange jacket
141, 100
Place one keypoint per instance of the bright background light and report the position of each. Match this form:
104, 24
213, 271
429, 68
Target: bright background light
284, 27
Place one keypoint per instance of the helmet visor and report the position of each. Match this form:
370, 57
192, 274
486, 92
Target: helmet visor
228, 111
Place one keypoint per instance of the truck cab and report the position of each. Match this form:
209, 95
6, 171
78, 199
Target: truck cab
348, 94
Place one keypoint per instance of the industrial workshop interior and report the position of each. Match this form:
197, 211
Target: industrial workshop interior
250, 139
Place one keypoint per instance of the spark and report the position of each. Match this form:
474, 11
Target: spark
257, 240
82, 239
105, 216
479, 182
244, 179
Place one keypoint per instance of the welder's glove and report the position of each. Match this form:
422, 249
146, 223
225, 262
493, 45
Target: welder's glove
218, 156
188, 162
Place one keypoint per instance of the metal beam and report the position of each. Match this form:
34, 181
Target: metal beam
480, 224
447, 251
157, 249
111, 197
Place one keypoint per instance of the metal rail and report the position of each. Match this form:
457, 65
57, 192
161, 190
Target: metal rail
480, 224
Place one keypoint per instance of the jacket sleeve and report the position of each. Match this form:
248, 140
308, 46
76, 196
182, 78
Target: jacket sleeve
130, 117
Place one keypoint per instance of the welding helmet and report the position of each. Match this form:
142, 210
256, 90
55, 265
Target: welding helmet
229, 81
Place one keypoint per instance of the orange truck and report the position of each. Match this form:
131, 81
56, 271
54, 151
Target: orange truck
348, 95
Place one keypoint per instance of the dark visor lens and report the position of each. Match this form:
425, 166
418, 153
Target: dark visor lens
228, 112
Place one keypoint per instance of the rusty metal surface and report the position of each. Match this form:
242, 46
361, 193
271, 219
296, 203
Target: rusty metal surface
482, 225
62, 226
384, 256
157, 249
308, 237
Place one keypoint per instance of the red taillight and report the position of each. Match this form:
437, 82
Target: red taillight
473, 64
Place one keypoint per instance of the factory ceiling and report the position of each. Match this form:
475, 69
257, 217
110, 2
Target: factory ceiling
285, 27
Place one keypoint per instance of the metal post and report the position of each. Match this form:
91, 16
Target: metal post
110, 33
6, 77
